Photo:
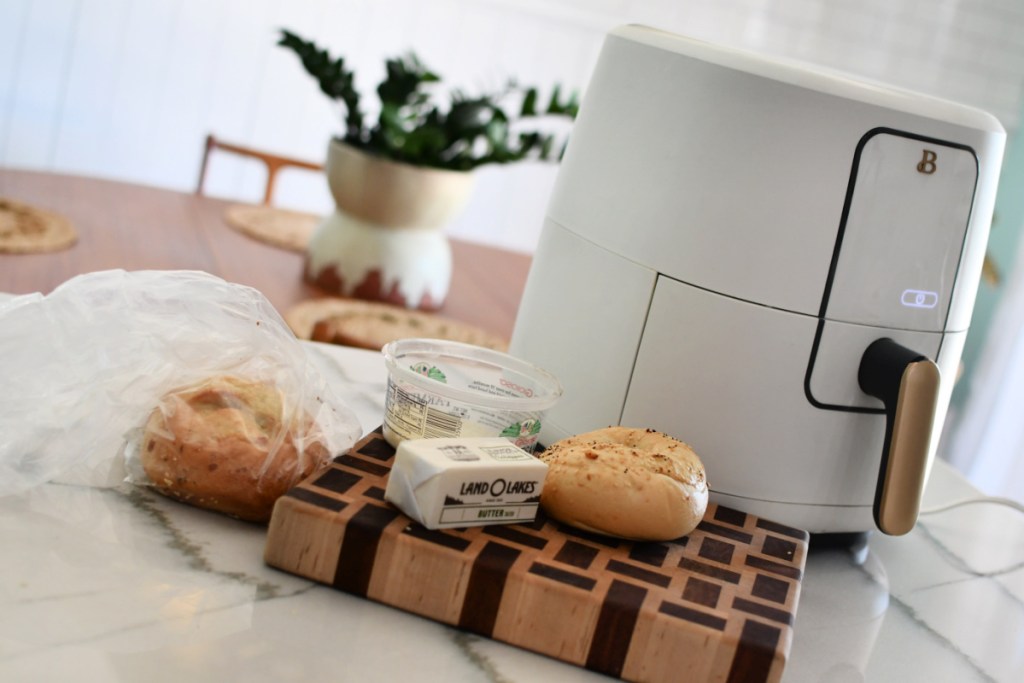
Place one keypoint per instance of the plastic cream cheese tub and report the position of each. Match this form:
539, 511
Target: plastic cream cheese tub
439, 389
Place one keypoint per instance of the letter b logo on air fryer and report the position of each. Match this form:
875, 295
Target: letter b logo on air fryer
927, 163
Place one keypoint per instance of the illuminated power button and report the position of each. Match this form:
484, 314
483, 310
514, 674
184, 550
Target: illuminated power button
919, 298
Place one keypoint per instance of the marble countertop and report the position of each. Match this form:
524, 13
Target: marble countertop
121, 584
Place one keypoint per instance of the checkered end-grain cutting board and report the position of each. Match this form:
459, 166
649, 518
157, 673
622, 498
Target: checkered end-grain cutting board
716, 605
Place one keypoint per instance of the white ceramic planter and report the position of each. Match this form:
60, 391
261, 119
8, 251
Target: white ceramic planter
385, 240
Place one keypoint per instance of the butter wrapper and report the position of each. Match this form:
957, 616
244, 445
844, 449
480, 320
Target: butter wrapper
461, 482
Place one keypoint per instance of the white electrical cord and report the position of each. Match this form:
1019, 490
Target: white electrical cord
1008, 502
994, 500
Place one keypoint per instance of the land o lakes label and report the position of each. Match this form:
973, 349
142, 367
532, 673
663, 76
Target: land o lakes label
459, 482
498, 487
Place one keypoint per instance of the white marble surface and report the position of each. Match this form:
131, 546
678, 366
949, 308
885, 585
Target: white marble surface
124, 585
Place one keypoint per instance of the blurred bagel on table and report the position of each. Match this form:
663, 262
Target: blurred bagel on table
371, 325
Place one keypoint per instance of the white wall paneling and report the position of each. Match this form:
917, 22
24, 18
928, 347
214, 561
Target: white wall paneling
13, 16
86, 121
36, 89
129, 88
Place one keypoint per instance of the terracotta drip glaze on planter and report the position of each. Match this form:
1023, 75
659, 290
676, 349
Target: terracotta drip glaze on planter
371, 288
385, 240
407, 266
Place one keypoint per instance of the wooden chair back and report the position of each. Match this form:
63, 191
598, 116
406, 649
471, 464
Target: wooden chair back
273, 163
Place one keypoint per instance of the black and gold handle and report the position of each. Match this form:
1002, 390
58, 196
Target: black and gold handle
908, 385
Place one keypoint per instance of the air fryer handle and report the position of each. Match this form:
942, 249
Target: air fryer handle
908, 385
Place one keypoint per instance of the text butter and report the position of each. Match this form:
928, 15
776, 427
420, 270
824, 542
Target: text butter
460, 482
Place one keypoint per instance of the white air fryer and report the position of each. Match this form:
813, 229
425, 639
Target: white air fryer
772, 263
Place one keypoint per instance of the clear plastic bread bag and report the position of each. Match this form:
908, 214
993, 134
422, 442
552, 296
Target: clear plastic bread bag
84, 368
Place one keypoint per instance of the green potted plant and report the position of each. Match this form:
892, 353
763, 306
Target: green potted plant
399, 178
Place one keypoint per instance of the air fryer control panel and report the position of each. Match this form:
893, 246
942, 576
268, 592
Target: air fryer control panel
904, 224
896, 259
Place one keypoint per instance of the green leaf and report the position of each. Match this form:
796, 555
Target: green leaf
529, 103
334, 80
553, 104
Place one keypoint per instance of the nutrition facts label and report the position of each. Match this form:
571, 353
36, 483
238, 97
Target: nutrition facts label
411, 415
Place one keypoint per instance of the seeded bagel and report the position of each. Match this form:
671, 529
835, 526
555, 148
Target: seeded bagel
225, 445
636, 484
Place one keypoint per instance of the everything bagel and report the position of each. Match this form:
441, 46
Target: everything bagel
637, 484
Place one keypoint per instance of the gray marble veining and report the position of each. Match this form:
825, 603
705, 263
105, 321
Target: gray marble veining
125, 585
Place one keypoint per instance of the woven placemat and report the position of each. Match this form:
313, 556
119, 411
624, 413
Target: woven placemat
26, 229
282, 228
371, 325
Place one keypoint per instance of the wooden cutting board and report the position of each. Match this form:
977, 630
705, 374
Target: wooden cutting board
716, 605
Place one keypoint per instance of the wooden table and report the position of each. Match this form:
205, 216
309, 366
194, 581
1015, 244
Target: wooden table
134, 227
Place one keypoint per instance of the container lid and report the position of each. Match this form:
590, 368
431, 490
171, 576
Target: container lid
496, 380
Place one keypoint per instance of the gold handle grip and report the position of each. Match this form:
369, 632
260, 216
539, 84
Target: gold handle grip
908, 384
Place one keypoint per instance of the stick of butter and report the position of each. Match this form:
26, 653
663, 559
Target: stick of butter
460, 482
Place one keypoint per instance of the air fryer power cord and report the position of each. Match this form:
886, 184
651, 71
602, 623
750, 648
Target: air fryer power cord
993, 500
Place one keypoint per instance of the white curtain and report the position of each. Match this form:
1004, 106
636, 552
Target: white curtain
988, 442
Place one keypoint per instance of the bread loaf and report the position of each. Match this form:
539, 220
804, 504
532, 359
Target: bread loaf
225, 445
632, 483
